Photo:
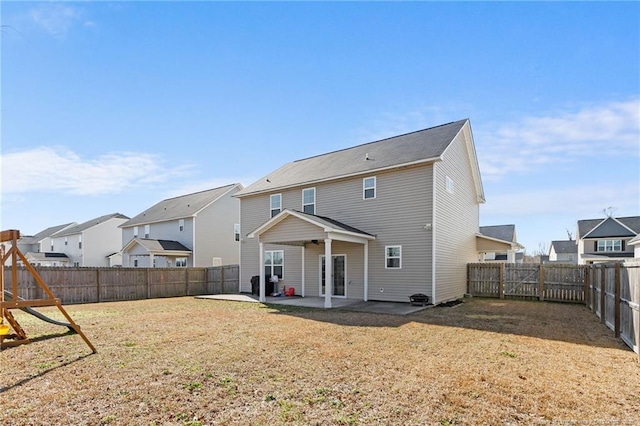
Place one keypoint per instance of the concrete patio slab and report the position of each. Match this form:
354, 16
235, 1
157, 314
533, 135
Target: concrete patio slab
390, 308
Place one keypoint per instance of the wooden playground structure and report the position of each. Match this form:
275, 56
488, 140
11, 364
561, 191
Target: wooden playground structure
11, 333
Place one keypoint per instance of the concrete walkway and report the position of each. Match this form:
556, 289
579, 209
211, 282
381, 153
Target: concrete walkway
391, 308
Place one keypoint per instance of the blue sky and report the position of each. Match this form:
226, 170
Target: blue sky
113, 106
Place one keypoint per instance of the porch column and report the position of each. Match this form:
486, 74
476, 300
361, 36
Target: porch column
366, 270
302, 283
328, 273
262, 297
150, 260
511, 256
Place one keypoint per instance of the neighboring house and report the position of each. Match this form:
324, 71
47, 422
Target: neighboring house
47, 259
195, 230
635, 242
396, 217
40, 243
564, 251
504, 235
606, 240
89, 243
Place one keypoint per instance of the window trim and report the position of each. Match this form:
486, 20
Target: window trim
135, 232
147, 231
272, 264
271, 208
181, 225
309, 204
387, 257
365, 188
236, 232
601, 246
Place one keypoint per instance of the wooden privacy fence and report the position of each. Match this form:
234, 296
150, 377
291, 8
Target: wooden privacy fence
610, 290
92, 285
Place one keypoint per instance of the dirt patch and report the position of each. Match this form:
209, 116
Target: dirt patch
185, 361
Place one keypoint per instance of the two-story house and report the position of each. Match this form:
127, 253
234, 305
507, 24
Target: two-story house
394, 217
194, 230
606, 240
90, 243
36, 248
564, 251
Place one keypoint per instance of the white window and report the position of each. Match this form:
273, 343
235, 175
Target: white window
66, 241
79, 241
236, 231
216, 261
369, 188
135, 263
181, 262
449, 185
274, 263
52, 245
609, 245
75, 264
309, 200
135, 232
181, 225
393, 257
276, 204
146, 231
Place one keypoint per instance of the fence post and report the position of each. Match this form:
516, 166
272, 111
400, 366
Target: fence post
501, 282
541, 282
186, 281
603, 288
468, 279
148, 283
98, 284
616, 305
587, 293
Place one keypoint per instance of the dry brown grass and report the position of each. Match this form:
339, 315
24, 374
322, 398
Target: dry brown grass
187, 361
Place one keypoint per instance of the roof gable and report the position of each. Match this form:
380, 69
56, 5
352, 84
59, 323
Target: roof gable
564, 246
609, 228
156, 246
500, 232
180, 207
412, 148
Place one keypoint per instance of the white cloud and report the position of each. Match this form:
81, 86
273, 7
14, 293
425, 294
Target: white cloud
566, 136
61, 170
58, 18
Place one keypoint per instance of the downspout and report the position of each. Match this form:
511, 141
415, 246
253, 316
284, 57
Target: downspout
433, 236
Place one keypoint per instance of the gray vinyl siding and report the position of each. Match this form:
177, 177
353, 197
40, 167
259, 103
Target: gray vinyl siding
293, 228
397, 216
457, 221
214, 232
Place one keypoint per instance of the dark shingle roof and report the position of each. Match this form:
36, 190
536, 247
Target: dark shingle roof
423, 145
333, 223
161, 245
608, 227
179, 207
565, 246
500, 232
90, 224
34, 239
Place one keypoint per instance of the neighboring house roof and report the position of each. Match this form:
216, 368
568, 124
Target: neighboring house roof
609, 227
500, 232
34, 239
90, 224
46, 256
412, 148
157, 246
180, 207
564, 246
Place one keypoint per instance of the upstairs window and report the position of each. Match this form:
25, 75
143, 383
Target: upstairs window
276, 204
236, 231
66, 241
79, 241
449, 185
181, 225
393, 257
135, 232
369, 188
609, 245
146, 231
309, 200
